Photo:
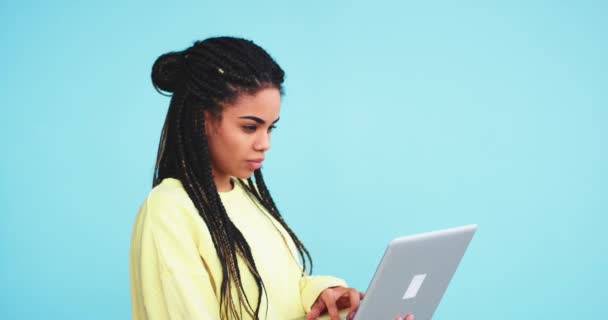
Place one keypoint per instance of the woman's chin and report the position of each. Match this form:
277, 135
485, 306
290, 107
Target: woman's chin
244, 175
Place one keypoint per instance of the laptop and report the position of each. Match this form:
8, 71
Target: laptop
413, 275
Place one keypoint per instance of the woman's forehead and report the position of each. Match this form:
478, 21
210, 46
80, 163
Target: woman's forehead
265, 104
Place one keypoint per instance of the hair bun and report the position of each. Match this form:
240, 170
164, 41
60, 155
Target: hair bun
168, 71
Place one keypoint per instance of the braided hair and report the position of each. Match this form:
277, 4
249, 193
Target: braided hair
205, 77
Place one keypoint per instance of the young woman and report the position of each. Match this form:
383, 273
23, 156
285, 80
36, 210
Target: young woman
209, 241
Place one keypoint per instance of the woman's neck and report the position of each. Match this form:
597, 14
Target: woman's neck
223, 183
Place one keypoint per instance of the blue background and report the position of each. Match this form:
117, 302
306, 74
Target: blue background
400, 117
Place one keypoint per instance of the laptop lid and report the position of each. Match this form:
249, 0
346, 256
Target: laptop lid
413, 275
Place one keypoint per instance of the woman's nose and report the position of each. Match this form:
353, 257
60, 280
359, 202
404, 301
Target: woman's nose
263, 142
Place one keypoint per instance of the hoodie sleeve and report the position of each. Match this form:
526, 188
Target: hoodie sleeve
312, 286
169, 278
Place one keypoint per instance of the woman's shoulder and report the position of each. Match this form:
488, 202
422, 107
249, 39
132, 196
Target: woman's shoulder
169, 218
168, 198
167, 189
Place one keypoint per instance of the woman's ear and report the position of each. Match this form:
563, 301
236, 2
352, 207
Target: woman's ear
209, 123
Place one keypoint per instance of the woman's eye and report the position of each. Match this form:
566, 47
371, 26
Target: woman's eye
249, 128
271, 128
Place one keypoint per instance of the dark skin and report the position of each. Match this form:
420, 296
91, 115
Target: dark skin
337, 298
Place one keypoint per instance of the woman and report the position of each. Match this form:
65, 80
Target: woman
209, 241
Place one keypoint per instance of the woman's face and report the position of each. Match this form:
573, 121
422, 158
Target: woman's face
239, 139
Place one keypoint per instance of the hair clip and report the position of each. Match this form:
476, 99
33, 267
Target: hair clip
220, 70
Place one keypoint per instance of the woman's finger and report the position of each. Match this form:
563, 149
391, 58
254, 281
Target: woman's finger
330, 303
316, 309
354, 299
354, 303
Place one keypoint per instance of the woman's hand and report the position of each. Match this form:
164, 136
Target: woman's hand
336, 298
333, 299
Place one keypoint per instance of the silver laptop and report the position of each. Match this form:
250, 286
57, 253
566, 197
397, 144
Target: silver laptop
413, 275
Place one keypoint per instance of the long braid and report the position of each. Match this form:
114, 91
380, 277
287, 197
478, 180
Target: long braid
214, 205
274, 211
210, 203
205, 77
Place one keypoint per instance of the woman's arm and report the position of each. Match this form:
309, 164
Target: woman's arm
169, 279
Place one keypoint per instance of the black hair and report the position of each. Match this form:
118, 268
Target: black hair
205, 77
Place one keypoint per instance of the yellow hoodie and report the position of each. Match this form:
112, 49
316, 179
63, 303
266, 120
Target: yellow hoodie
176, 274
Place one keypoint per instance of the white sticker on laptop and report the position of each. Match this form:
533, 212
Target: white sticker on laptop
415, 284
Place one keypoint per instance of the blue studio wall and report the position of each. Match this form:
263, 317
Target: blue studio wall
399, 117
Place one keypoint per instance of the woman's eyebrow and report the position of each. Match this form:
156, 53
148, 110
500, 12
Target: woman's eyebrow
258, 120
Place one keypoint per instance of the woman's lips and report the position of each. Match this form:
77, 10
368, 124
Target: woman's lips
255, 164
